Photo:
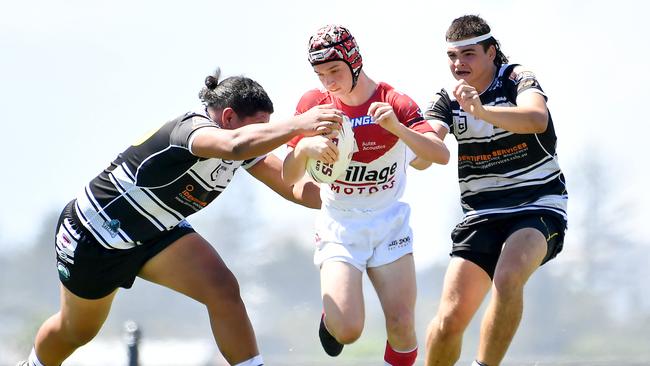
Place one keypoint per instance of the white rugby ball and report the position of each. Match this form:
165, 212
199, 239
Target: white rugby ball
327, 173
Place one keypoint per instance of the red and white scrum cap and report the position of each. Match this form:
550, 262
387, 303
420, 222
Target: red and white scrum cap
332, 43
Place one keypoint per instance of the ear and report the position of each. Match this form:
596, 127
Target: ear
227, 116
492, 52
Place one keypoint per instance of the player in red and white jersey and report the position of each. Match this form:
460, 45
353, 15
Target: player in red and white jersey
362, 224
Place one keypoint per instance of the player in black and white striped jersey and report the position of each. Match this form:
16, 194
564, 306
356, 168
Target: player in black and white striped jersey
130, 220
513, 192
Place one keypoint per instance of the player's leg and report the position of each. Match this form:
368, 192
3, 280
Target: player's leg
86, 298
522, 254
192, 267
77, 322
465, 286
343, 306
396, 288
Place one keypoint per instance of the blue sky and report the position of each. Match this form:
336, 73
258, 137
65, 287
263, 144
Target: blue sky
80, 80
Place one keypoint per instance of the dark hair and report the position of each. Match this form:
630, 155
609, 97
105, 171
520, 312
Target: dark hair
470, 26
245, 96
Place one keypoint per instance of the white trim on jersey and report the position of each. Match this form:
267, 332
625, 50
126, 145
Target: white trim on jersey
498, 134
534, 174
134, 176
486, 187
140, 202
179, 216
555, 203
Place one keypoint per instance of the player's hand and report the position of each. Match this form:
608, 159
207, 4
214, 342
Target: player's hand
319, 120
468, 98
384, 115
319, 147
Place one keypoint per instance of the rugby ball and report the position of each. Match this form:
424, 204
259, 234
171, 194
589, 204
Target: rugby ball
327, 173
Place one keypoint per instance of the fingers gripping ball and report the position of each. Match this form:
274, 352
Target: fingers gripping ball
327, 173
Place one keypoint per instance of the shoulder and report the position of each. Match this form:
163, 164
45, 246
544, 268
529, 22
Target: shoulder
312, 98
519, 73
394, 96
198, 119
440, 107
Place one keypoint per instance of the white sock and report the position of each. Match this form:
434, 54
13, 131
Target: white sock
33, 360
475, 363
255, 361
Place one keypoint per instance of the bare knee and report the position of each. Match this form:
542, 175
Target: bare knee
449, 325
400, 324
348, 333
222, 290
508, 283
78, 336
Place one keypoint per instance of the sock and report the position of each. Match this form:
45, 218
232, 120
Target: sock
255, 361
33, 360
399, 358
476, 363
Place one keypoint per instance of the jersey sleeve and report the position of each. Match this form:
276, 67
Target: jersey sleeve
309, 99
409, 113
521, 80
182, 133
439, 110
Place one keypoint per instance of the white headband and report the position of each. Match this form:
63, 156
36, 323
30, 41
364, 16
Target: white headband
469, 41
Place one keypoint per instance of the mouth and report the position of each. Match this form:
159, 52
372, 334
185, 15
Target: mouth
462, 73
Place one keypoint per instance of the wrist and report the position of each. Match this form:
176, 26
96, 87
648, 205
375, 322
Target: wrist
482, 113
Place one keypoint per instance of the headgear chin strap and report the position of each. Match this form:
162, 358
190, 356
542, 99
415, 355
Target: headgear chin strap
469, 41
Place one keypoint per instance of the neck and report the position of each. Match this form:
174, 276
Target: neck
360, 94
485, 80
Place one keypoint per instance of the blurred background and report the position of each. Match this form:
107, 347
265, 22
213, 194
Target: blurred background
80, 81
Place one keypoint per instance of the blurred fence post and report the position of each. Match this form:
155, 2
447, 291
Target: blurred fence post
132, 337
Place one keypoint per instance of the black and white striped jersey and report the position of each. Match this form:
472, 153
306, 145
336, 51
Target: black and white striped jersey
499, 171
153, 185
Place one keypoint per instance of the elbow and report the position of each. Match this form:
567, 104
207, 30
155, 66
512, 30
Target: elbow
440, 157
444, 158
288, 177
539, 122
238, 150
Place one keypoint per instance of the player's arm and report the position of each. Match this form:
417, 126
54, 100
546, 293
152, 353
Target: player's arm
421, 164
315, 147
260, 138
530, 115
269, 172
427, 146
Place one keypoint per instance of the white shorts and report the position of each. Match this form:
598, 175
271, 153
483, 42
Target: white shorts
365, 239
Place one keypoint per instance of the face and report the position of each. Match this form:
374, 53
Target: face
472, 64
230, 120
335, 76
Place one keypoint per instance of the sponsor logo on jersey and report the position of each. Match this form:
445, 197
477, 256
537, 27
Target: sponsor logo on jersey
112, 226
361, 174
64, 272
362, 180
187, 196
361, 121
371, 145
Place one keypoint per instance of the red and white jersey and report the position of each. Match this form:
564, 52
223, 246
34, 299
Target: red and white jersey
376, 176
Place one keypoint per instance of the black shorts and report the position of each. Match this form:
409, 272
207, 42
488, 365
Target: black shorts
481, 241
91, 271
